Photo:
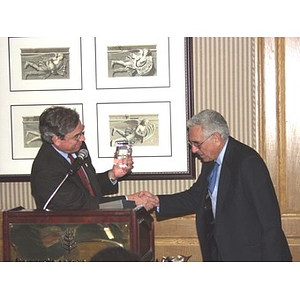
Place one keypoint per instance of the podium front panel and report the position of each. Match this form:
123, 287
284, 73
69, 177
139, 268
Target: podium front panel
76, 235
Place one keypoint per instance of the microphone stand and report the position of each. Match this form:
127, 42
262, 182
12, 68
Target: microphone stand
83, 153
54, 193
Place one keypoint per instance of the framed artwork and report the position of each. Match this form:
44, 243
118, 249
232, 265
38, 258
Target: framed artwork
149, 110
132, 63
39, 64
25, 137
145, 125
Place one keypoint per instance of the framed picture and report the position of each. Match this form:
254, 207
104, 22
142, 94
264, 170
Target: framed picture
130, 63
25, 137
144, 125
39, 64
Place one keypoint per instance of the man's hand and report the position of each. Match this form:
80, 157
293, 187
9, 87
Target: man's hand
116, 172
145, 198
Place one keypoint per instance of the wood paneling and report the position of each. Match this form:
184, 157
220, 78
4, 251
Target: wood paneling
177, 236
279, 126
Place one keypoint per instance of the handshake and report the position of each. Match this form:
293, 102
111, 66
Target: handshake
144, 198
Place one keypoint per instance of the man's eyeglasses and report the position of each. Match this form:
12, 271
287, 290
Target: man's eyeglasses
77, 136
199, 144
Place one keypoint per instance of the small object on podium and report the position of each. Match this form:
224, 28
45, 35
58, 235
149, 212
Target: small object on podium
178, 258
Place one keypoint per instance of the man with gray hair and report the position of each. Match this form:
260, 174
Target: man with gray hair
237, 212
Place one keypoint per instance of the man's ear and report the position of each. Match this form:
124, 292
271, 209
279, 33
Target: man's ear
217, 137
56, 140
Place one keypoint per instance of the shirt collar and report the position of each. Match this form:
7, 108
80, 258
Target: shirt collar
222, 153
63, 154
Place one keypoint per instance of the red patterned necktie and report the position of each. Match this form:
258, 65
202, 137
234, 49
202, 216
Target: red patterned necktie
83, 176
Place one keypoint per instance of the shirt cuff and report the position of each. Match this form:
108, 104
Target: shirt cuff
114, 182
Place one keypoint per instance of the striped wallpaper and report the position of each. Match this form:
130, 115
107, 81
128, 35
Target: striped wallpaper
224, 80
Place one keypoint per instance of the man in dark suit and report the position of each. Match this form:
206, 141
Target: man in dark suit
239, 219
63, 135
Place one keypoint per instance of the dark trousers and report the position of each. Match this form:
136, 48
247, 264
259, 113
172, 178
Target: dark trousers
210, 226
214, 251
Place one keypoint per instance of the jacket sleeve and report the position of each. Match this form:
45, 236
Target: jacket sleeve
183, 203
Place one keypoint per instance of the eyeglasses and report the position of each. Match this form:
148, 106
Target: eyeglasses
199, 144
77, 136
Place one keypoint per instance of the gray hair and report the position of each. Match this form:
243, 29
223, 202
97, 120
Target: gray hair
210, 122
57, 121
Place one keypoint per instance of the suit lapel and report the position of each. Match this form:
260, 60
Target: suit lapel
224, 184
225, 178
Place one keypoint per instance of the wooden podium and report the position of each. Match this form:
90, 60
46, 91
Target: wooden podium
32, 235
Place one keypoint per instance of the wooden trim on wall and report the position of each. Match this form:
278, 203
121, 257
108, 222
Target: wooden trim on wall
261, 114
281, 120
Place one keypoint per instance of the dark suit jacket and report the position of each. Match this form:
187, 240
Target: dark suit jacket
48, 170
248, 221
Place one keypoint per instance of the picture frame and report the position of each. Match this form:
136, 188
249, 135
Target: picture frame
144, 125
42, 64
132, 63
172, 160
25, 137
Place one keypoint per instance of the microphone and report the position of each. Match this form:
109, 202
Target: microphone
82, 155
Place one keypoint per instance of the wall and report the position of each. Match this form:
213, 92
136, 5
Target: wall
224, 79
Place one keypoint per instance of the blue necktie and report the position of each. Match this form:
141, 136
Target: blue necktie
212, 178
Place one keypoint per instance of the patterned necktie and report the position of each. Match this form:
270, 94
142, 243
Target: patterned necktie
212, 178
208, 212
82, 176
